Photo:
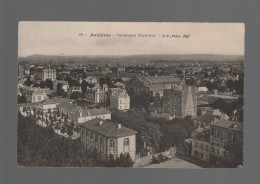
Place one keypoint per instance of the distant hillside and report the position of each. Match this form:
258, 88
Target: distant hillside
131, 59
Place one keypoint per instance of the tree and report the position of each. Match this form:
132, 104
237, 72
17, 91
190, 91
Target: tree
69, 131
63, 129
57, 127
235, 153
47, 122
28, 82
21, 99
83, 88
48, 84
75, 95
124, 160
72, 124
60, 91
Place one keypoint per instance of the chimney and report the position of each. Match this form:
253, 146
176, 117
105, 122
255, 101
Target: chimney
234, 125
80, 113
101, 122
119, 126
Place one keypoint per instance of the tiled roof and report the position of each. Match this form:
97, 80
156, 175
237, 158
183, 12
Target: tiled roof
119, 94
158, 79
229, 124
27, 105
157, 87
108, 128
69, 106
56, 101
90, 112
207, 118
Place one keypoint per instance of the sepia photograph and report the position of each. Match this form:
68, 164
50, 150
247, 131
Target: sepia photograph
130, 94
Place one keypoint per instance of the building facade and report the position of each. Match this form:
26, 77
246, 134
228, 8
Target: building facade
44, 74
108, 138
120, 100
153, 86
35, 95
97, 94
180, 101
200, 144
224, 132
79, 114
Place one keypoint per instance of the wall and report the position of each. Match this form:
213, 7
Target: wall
200, 150
87, 118
146, 160
132, 146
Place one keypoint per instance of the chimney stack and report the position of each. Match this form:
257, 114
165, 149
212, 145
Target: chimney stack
119, 126
80, 113
101, 122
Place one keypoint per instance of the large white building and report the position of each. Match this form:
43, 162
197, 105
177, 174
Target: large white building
108, 137
44, 74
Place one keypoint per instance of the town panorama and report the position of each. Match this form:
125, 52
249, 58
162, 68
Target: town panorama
149, 111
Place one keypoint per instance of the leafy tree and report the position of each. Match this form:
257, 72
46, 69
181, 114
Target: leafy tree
69, 131
60, 91
235, 153
48, 84
75, 95
63, 129
21, 99
28, 82
57, 127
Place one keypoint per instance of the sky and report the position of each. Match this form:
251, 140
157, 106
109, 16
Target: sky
63, 38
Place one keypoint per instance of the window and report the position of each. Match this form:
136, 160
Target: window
224, 134
126, 142
224, 143
213, 150
112, 144
201, 146
229, 135
39, 97
101, 142
96, 139
207, 147
87, 136
92, 139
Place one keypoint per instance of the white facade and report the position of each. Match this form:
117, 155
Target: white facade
120, 101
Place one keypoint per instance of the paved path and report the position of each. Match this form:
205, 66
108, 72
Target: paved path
174, 163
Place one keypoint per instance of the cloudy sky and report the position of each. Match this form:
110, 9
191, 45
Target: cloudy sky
62, 38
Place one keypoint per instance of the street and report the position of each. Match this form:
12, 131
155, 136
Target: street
174, 163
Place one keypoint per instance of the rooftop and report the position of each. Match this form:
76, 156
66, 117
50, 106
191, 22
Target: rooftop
56, 101
158, 80
202, 134
229, 124
90, 112
108, 128
207, 118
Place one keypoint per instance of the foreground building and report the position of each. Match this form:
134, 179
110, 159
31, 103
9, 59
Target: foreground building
201, 144
180, 101
108, 137
224, 132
